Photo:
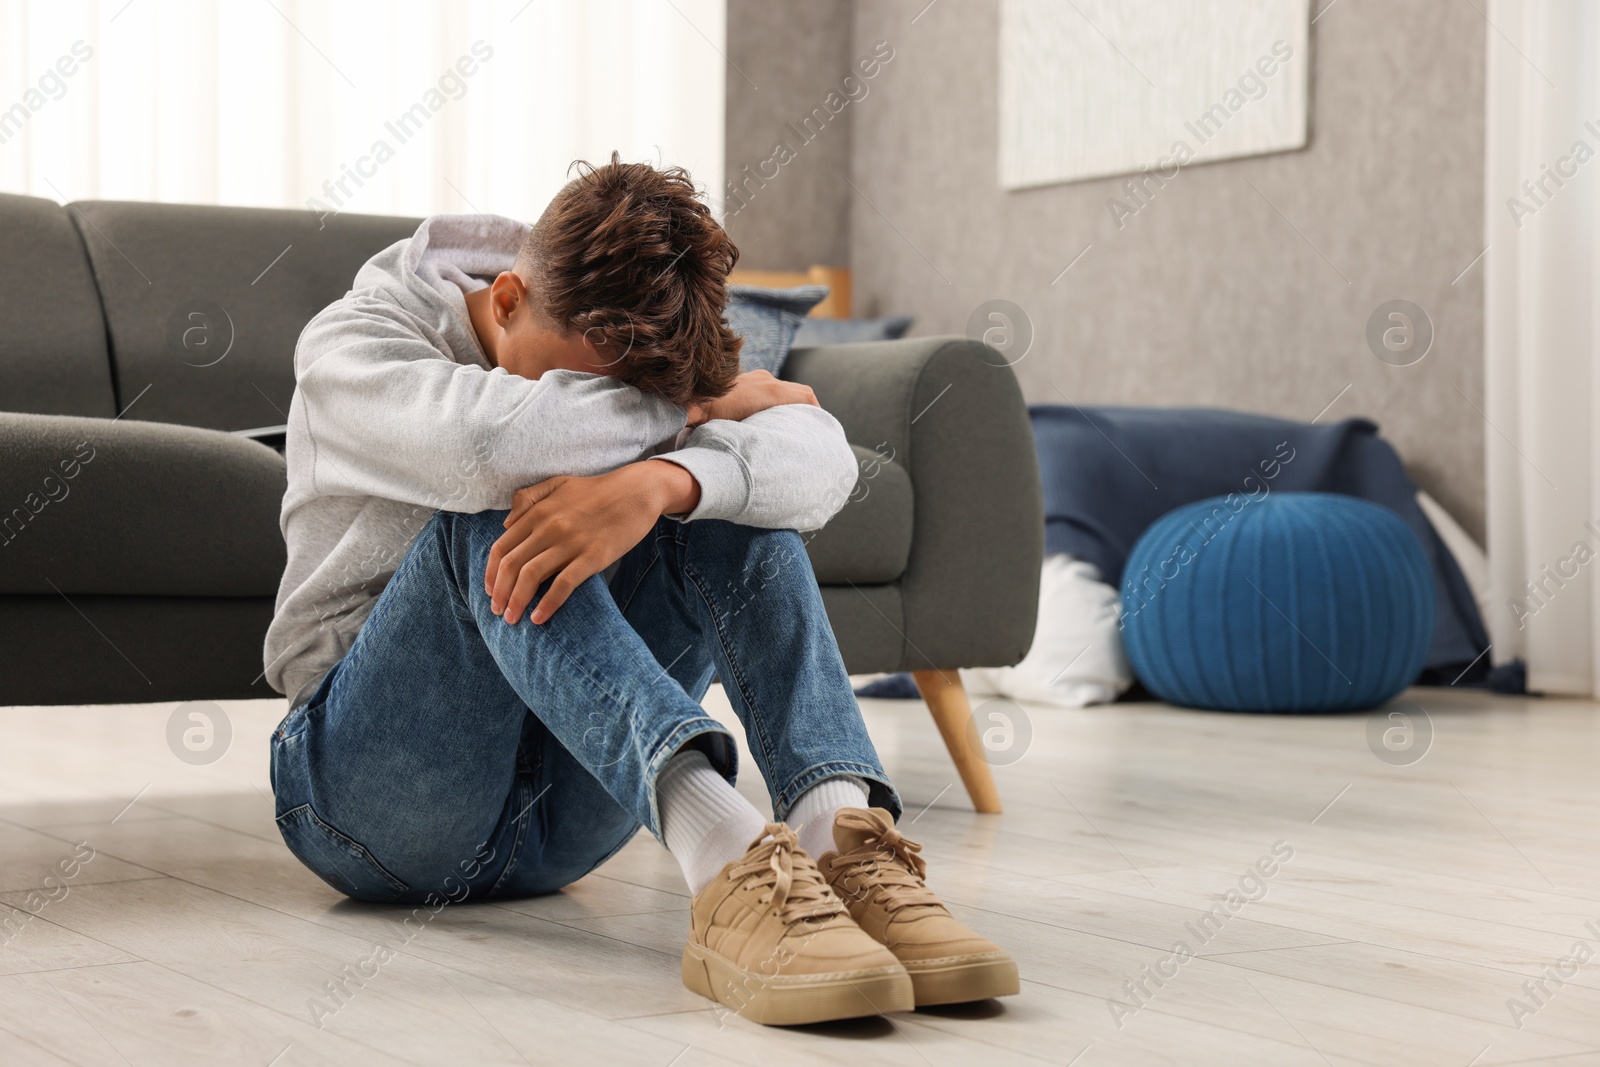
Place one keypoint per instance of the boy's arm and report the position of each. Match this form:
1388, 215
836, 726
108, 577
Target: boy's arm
786, 467
385, 414
785, 464
766, 455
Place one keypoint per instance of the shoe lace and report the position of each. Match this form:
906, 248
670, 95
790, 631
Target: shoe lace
793, 881
887, 861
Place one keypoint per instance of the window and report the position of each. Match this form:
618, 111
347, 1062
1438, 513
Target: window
413, 107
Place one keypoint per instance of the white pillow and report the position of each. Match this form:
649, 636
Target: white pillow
1469, 557
1077, 656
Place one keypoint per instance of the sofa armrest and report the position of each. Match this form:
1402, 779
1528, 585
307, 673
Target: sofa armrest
949, 410
129, 508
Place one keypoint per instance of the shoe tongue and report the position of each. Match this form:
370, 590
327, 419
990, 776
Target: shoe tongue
851, 834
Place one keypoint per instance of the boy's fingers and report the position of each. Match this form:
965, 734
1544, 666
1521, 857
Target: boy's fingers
505, 576
503, 546
571, 576
517, 534
532, 575
524, 540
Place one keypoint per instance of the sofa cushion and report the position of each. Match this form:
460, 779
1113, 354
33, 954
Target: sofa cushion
52, 338
114, 506
869, 622
869, 540
204, 304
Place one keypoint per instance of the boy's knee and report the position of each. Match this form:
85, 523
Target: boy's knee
772, 555
751, 544
464, 537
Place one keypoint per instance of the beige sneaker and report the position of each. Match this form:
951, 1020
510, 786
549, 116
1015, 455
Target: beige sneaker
879, 875
770, 941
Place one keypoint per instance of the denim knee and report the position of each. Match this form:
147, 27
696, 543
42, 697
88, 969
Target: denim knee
756, 554
724, 533
462, 539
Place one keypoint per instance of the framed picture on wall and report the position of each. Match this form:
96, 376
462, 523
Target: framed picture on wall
1100, 87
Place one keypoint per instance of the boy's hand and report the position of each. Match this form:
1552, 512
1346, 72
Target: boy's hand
568, 529
753, 391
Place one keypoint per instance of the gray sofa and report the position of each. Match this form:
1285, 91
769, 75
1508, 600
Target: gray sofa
145, 356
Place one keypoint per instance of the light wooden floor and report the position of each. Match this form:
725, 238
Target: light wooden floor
1418, 901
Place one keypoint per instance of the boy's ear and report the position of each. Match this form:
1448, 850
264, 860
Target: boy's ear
506, 295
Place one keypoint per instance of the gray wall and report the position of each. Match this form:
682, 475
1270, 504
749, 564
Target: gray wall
1207, 295
791, 56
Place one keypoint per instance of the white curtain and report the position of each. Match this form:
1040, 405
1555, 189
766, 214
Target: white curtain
1542, 338
410, 107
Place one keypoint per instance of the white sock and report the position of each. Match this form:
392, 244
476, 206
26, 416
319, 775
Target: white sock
705, 822
812, 815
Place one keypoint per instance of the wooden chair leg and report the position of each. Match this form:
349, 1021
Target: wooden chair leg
952, 713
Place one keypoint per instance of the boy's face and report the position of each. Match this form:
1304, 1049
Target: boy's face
524, 343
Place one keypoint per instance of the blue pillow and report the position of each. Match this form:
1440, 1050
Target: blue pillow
851, 331
1287, 602
767, 320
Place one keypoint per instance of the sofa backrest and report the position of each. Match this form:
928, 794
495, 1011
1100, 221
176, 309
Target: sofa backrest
203, 305
53, 357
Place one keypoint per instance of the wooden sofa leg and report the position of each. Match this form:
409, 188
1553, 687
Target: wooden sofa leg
952, 712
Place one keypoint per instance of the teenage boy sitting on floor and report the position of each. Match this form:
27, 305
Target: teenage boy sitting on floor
581, 374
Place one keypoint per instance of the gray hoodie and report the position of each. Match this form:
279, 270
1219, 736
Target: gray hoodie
398, 414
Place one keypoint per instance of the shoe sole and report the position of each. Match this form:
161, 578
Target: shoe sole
795, 1001
960, 983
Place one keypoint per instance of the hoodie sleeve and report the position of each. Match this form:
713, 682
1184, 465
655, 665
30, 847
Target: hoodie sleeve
381, 411
788, 467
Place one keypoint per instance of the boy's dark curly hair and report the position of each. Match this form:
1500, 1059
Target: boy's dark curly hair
628, 256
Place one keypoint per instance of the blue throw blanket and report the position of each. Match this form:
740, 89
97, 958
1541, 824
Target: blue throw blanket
1110, 472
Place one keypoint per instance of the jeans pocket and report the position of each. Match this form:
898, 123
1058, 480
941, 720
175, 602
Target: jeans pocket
292, 723
341, 862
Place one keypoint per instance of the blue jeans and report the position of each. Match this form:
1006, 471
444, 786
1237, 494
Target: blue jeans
450, 755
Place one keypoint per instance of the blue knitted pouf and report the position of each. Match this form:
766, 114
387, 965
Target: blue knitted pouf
1290, 602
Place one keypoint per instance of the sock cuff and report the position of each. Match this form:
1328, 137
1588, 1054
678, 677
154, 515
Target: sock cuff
822, 800
830, 794
693, 798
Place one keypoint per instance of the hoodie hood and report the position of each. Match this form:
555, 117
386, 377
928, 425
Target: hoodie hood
430, 274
